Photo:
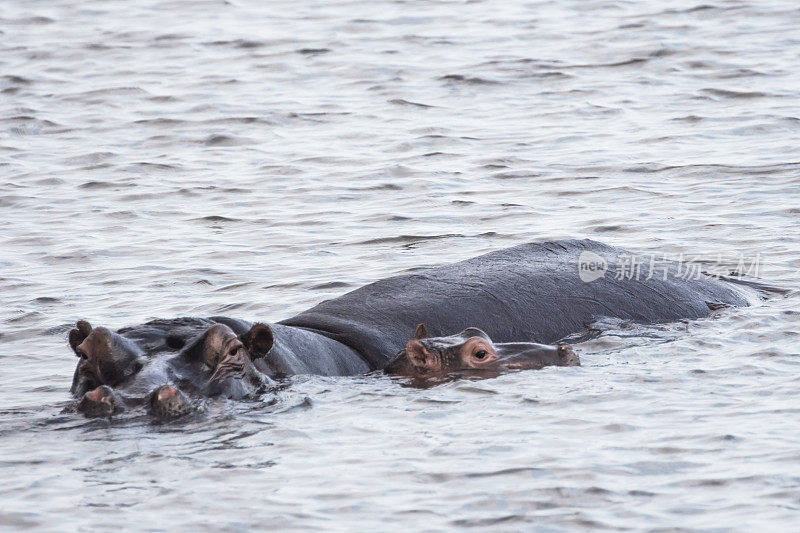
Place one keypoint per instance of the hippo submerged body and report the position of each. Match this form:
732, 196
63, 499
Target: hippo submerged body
520, 298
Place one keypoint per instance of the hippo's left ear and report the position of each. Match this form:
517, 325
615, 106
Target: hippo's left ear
422, 359
421, 332
258, 340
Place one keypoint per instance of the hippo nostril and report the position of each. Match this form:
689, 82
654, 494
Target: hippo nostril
93, 395
166, 393
97, 395
168, 402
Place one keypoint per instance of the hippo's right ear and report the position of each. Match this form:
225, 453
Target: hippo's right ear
421, 332
258, 340
78, 334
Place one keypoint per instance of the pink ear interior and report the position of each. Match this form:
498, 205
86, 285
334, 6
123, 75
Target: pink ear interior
420, 357
421, 332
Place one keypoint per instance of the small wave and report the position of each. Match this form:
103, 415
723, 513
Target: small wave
28, 20
468, 80
216, 218
689, 119
731, 169
27, 118
225, 140
171, 37
624, 63
411, 238
98, 47
160, 121
145, 165
97, 185
46, 300
724, 93
313, 51
238, 43
16, 80
613, 229
331, 285
400, 101
233, 286
379, 187
239, 120
122, 91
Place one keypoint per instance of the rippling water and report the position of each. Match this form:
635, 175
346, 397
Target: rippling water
248, 158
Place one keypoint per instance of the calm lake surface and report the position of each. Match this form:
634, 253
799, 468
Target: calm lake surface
246, 158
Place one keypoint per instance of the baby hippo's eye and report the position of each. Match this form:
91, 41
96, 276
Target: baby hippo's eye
481, 355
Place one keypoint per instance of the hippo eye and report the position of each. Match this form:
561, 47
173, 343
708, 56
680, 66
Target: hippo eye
481, 355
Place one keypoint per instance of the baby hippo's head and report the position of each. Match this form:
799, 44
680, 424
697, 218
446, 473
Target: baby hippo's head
472, 352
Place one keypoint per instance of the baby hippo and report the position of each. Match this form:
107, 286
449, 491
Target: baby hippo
473, 352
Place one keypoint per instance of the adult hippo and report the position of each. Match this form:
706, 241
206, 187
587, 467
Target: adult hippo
147, 364
532, 293
529, 293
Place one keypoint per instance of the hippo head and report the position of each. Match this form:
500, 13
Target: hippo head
472, 352
106, 358
224, 360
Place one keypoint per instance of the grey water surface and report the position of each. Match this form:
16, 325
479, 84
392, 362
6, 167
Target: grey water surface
247, 158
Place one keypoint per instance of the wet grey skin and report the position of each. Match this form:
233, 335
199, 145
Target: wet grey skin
473, 353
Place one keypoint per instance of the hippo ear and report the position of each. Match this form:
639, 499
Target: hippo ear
78, 334
421, 332
475, 332
258, 340
421, 358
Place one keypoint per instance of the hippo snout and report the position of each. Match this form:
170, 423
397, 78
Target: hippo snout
167, 402
101, 402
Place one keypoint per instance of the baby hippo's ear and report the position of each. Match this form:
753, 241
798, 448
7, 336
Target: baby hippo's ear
423, 360
258, 340
421, 332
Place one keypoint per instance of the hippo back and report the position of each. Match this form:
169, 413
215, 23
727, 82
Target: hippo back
532, 293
